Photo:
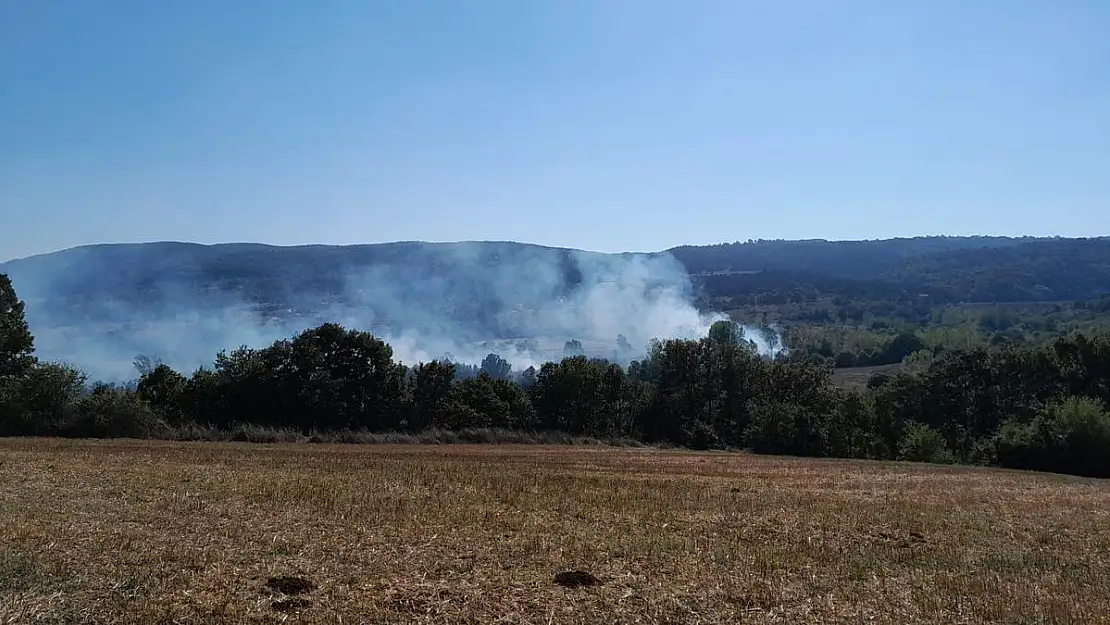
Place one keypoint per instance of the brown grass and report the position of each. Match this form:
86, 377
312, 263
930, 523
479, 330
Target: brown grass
143, 532
858, 377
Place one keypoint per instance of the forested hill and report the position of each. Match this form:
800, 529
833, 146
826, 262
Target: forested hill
841, 259
140, 272
948, 269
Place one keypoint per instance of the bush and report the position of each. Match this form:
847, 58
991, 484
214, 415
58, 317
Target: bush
112, 412
41, 402
163, 390
781, 428
1071, 435
921, 443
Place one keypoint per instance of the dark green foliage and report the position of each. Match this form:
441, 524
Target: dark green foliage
17, 346
567, 397
851, 427
495, 366
573, 348
921, 443
42, 401
324, 378
488, 402
726, 332
786, 428
111, 412
904, 344
431, 387
52, 400
1071, 435
163, 389
1022, 406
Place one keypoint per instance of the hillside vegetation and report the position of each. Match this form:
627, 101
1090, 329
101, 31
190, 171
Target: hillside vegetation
946, 269
1032, 407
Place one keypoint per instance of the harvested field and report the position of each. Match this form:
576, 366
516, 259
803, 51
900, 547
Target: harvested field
145, 532
858, 377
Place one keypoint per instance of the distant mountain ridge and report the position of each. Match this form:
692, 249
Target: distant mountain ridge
980, 268
846, 259
126, 270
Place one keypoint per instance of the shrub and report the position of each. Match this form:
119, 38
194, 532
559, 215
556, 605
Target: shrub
41, 402
163, 390
781, 428
1071, 435
112, 412
921, 443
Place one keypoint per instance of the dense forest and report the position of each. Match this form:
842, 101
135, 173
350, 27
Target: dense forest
868, 303
1023, 406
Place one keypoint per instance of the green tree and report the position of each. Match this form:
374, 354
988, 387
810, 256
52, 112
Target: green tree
922, 443
726, 332
17, 345
1071, 435
573, 348
528, 377
496, 367
901, 346
432, 384
113, 412
162, 389
565, 395
338, 378
785, 428
41, 402
485, 401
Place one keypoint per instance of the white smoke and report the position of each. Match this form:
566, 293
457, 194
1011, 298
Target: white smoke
464, 303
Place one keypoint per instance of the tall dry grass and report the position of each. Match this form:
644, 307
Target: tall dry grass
247, 433
157, 532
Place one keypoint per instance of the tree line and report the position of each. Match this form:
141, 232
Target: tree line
861, 333
1031, 407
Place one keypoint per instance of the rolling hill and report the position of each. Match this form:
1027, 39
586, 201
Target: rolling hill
184, 301
974, 269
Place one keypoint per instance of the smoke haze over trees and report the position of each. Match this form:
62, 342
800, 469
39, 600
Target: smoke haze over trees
1031, 408
98, 307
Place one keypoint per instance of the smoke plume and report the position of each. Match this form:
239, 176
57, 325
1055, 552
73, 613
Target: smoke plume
98, 308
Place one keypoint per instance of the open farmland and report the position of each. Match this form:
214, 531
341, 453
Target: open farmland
138, 532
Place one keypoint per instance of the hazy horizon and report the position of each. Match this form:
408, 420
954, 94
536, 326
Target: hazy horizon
458, 302
533, 244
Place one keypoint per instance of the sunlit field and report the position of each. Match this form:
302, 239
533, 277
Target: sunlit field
143, 532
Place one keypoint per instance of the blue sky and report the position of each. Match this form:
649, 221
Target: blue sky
632, 125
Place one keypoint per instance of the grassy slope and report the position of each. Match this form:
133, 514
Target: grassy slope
857, 377
131, 532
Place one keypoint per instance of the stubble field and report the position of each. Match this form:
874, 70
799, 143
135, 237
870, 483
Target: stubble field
142, 532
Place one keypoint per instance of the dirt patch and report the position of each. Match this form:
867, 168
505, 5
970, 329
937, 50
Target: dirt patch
18, 571
901, 540
292, 604
290, 585
576, 579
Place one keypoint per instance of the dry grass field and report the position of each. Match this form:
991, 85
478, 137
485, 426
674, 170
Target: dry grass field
858, 377
142, 532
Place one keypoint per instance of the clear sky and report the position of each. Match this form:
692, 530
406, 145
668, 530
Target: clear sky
602, 124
